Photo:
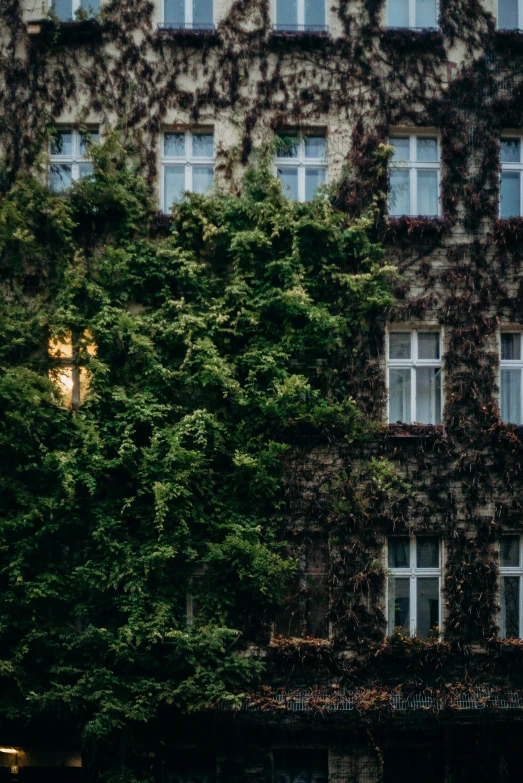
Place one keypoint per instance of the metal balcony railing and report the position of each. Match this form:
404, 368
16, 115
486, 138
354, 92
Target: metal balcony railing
197, 27
314, 29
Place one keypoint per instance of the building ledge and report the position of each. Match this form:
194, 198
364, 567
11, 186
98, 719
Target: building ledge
307, 36
417, 431
188, 32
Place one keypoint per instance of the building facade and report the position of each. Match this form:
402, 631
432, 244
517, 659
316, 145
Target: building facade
398, 654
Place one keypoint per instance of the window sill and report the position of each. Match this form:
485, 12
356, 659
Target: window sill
190, 32
509, 38
72, 30
508, 232
428, 40
399, 430
312, 36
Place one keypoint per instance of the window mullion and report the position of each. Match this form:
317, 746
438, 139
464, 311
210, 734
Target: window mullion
413, 604
189, 16
412, 13
413, 190
300, 12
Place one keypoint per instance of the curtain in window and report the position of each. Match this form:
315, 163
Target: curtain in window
289, 178
510, 194
511, 396
399, 195
428, 193
313, 179
174, 185
508, 14
202, 178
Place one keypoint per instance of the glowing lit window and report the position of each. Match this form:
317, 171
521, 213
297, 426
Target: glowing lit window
414, 14
300, 15
66, 10
301, 164
510, 15
511, 587
511, 178
188, 15
187, 165
414, 176
69, 354
68, 158
414, 585
414, 377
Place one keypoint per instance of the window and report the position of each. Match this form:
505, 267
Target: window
301, 164
69, 353
306, 608
187, 165
414, 176
414, 584
68, 160
66, 10
511, 584
188, 14
417, 14
301, 765
510, 385
414, 367
510, 14
510, 195
300, 15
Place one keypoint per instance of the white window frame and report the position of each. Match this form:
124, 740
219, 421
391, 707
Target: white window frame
412, 364
413, 166
412, 18
300, 17
513, 167
511, 364
76, 5
413, 574
520, 18
511, 571
188, 160
75, 159
189, 16
303, 163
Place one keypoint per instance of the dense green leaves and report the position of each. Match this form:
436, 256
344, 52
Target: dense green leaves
220, 346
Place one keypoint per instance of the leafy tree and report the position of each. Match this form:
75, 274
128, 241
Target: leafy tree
218, 349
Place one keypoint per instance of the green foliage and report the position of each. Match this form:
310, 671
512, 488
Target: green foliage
219, 348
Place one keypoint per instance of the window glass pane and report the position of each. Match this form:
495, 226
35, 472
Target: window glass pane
399, 603
427, 149
85, 170
174, 145
174, 185
289, 178
428, 345
203, 145
510, 551
428, 395
398, 13
313, 179
510, 607
428, 193
401, 147
62, 143
315, 12
91, 6
85, 138
202, 13
428, 605
510, 196
510, 346
510, 392
286, 13
426, 13
63, 9
508, 14
202, 178
288, 148
175, 11
60, 177
399, 345
66, 380
399, 552
316, 147
399, 396
510, 150
427, 548
399, 195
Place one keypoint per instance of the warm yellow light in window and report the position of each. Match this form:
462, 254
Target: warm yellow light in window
90, 345
61, 348
8, 750
65, 381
